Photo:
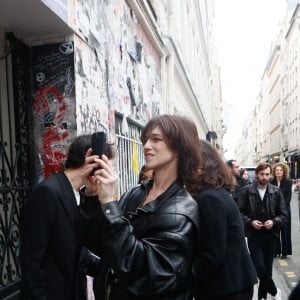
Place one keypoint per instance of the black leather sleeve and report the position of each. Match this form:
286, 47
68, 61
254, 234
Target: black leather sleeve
165, 254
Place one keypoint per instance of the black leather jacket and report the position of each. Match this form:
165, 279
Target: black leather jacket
149, 249
275, 206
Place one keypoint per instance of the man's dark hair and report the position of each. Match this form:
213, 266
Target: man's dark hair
262, 166
77, 151
230, 162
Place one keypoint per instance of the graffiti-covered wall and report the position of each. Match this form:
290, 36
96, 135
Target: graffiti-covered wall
110, 65
54, 103
117, 67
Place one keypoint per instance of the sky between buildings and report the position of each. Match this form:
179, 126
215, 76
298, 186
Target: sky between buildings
244, 32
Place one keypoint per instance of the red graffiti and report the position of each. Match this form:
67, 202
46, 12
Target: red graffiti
111, 118
53, 159
41, 104
55, 134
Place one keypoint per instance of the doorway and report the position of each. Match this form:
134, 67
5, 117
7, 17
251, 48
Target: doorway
17, 167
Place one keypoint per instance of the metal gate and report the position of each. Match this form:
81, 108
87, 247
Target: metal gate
130, 156
17, 174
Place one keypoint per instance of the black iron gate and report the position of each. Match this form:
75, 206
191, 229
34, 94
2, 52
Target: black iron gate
17, 172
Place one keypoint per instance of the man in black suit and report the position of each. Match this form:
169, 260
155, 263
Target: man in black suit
264, 213
54, 263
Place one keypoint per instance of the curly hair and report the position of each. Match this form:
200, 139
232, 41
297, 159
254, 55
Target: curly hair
285, 168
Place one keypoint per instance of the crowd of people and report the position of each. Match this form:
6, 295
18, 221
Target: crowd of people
194, 227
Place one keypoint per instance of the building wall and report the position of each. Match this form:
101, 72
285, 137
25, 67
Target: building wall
273, 73
194, 83
278, 107
128, 58
291, 93
117, 70
119, 66
125, 76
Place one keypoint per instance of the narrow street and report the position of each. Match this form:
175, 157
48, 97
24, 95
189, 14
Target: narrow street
286, 273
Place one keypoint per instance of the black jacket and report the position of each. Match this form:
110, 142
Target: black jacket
224, 264
53, 262
240, 182
275, 207
286, 188
149, 248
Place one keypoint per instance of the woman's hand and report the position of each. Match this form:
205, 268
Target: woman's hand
88, 170
105, 180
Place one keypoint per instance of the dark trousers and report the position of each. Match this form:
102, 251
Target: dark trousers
262, 245
284, 243
245, 294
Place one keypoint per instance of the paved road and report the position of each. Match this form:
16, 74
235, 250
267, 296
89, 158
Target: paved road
286, 273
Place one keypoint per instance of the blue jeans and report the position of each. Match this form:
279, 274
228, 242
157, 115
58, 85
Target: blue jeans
262, 246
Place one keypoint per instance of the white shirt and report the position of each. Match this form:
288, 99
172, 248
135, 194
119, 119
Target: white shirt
77, 197
261, 193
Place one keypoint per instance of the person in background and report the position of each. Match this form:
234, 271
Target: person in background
239, 181
147, 239
244, 174
263, 210
295, 293
145, 174
53, 261
280, 174
224, 269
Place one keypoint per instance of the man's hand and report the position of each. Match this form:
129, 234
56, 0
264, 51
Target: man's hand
268, 224
257, 224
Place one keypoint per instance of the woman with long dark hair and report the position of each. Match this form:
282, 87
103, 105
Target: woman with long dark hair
147, 239
224, 269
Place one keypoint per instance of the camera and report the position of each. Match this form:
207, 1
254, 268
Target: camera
98, 145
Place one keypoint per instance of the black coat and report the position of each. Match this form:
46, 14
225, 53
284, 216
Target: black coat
240, 182
150, 248
286, 188
53, 262
224, 264
284, 244
275, 207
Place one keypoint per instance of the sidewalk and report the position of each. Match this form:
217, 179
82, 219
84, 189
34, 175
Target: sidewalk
290, 268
